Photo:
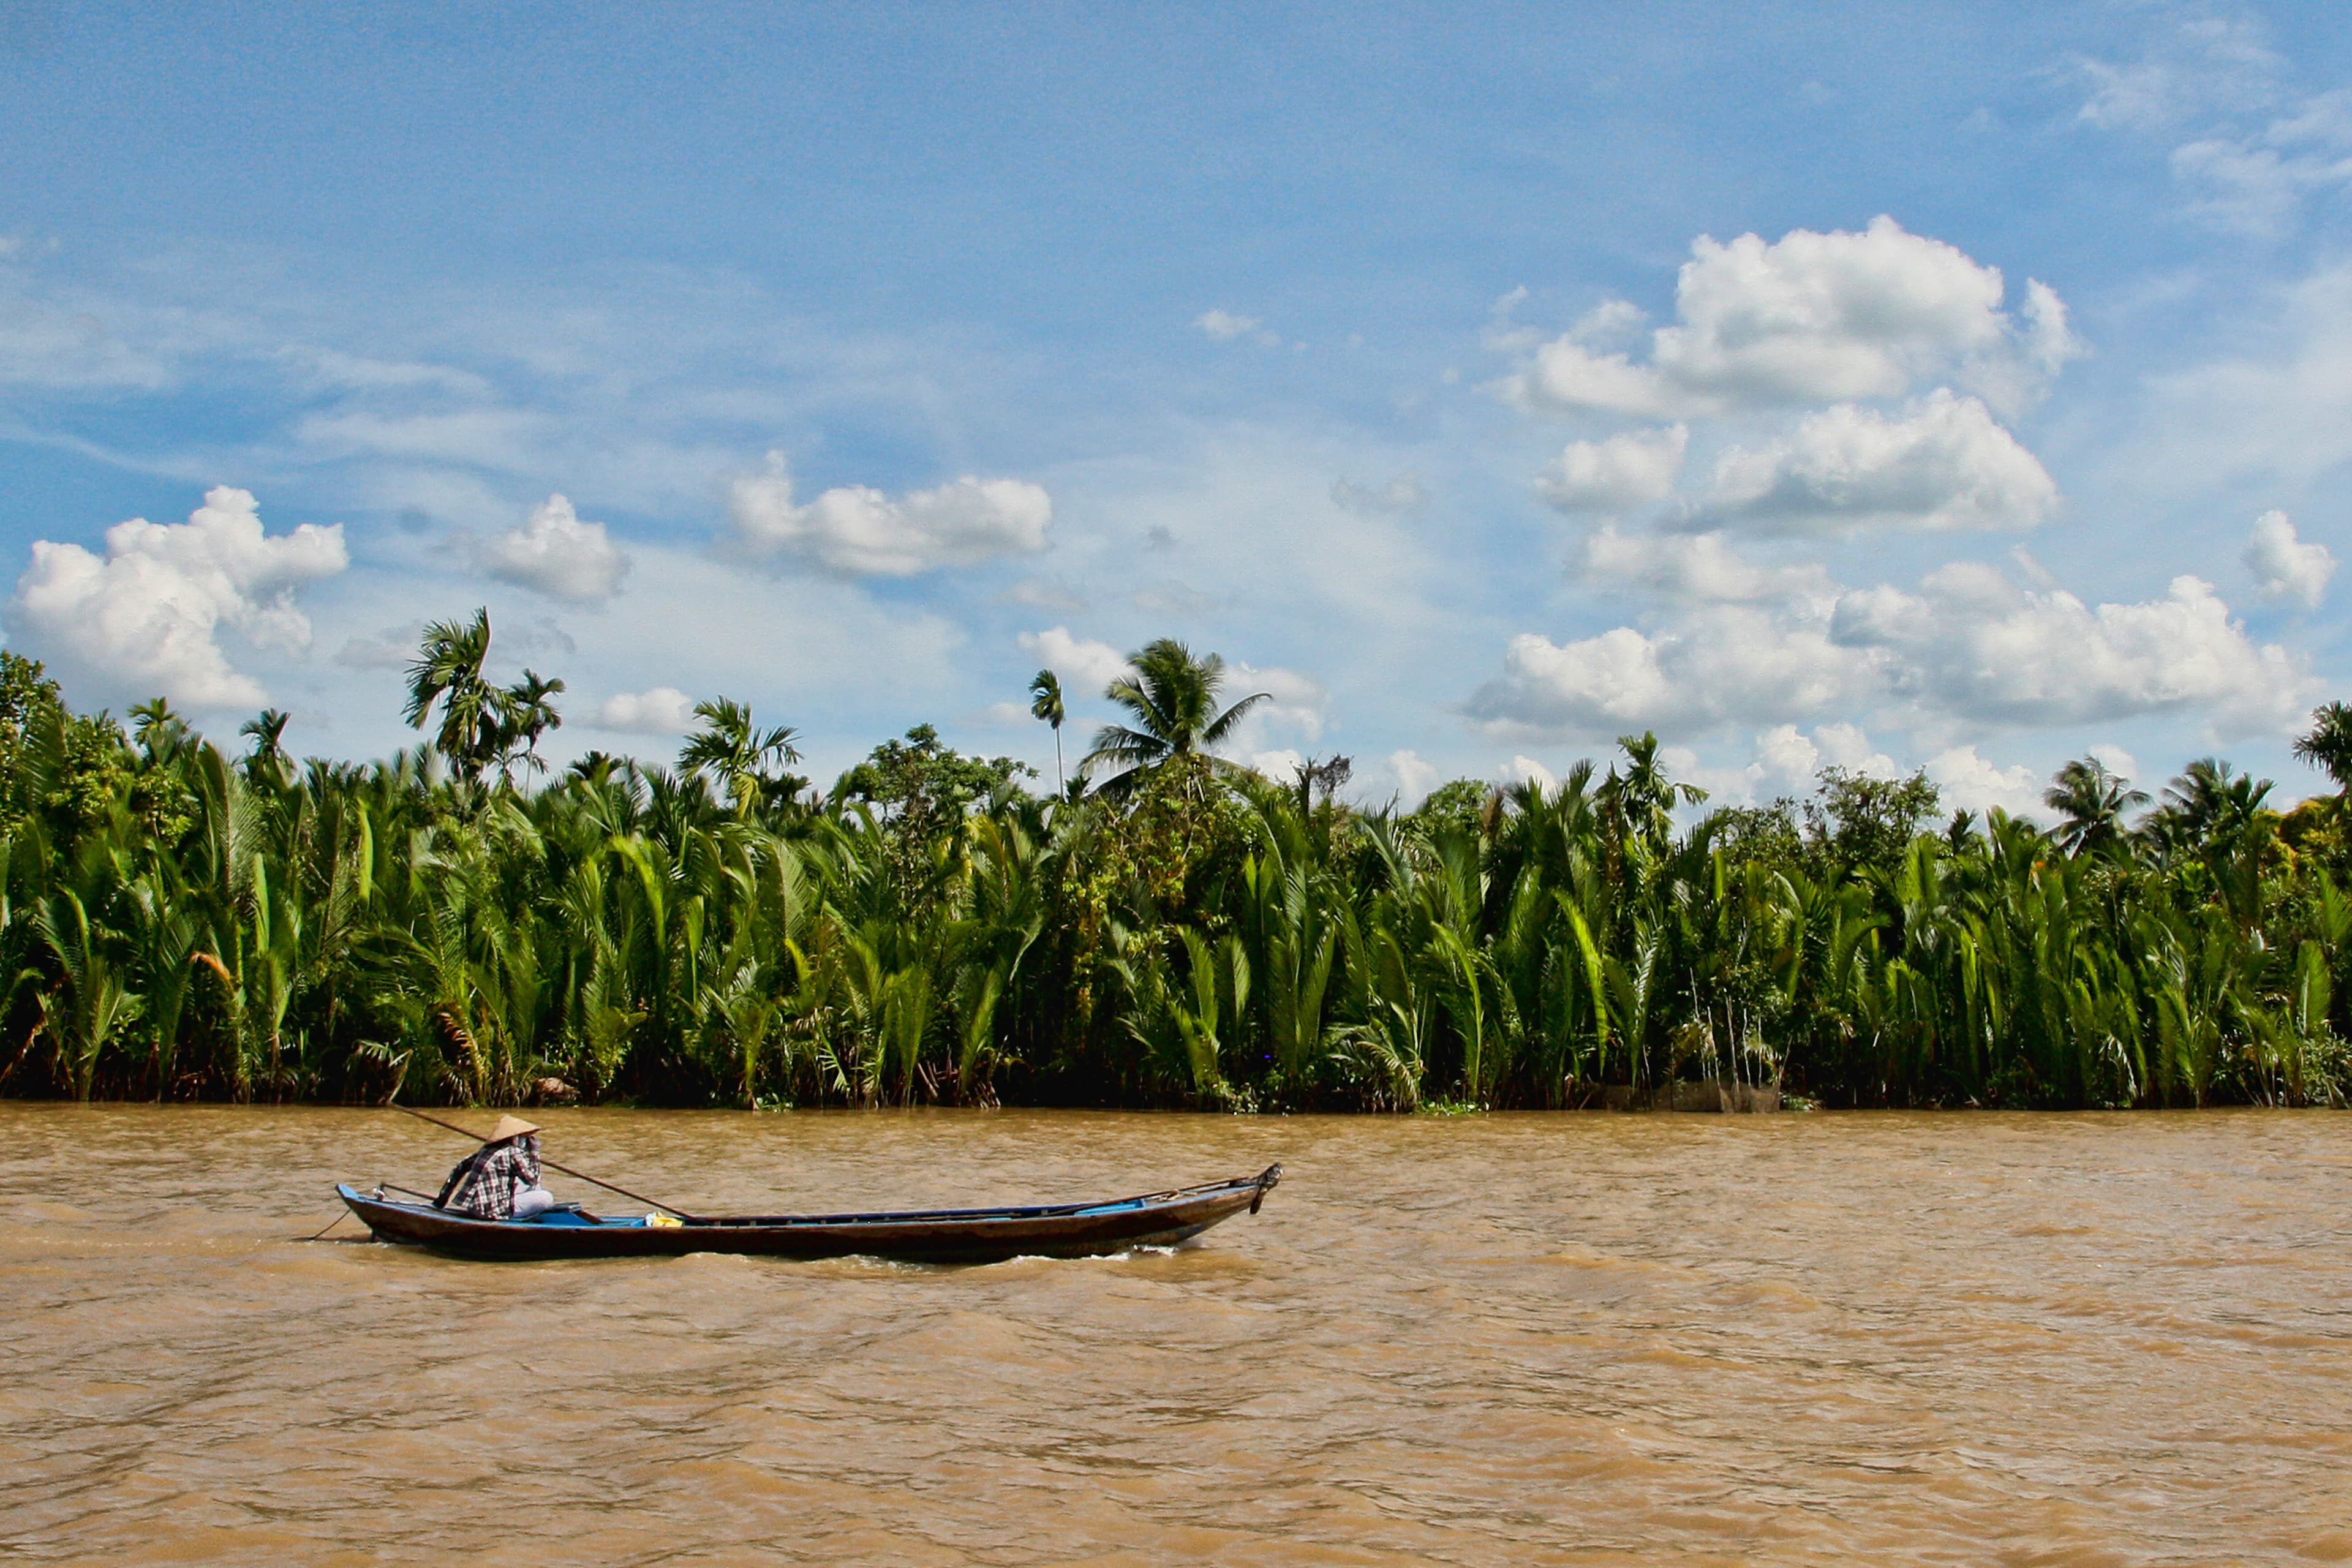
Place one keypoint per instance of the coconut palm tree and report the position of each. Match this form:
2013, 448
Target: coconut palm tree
448, 669
729, 750
160, 731
2092, 802
1046, 704
1172, 700
2209, 804
2329, 746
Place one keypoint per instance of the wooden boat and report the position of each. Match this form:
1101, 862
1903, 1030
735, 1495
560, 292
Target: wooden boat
926, 1236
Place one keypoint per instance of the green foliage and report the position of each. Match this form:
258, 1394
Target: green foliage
176, 921
1457, 806
1856, 820
1170, 701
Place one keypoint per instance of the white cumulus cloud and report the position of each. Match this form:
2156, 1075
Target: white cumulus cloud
2284, 568
662, 711
1415, 777
556, 552
1972, 642
1282, 766
1811, 318
1616, 475
1736, 662
861, 532
1084, 665
1527, 769
1942, 464
1969, 646
1970, 783
144, 619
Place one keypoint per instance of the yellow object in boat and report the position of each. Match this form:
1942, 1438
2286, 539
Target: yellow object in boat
664, 1222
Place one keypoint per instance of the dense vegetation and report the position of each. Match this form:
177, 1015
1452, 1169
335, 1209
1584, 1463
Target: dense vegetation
454, 925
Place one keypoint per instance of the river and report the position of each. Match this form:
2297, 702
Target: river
1589, 1339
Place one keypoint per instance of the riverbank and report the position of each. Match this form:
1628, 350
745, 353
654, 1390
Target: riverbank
186, 925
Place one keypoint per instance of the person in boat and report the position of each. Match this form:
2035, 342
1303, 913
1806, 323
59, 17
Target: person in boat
501, 1179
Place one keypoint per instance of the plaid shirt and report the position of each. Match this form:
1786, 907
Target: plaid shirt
485, 1182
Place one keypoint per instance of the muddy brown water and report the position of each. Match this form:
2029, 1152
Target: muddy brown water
1883, 1339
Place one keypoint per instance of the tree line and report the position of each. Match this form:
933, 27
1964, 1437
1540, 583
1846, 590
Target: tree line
458, 923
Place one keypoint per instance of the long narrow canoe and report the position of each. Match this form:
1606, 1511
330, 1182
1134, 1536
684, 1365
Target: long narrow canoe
928, 1236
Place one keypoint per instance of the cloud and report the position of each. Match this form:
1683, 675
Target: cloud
1084, 667
2118, 762
1616, 475
2253, 152
1223, 326
1811, 318
557, 553
393, 648
1969, 783
1282, 766
2202, 67
1527, 769
1736, 662
1974, 643
1694, 568
1609, 323
1414, 777
2246, 188
2275, 408
1168, 597
1043, 593
860, 531
1784, 761
1402, 495
144, 619
1783, 753
1969, 646
662, 710
2283, 567
1847, 746
1295, 703
1943, 464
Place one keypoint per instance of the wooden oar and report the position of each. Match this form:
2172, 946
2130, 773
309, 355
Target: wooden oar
582, 1175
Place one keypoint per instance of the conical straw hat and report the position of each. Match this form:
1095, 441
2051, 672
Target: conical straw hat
508, 1127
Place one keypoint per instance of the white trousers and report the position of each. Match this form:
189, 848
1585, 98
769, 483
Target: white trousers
533, 1201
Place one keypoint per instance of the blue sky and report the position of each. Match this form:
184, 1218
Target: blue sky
1958, 386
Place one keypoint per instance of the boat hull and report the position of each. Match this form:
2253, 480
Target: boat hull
950, 1236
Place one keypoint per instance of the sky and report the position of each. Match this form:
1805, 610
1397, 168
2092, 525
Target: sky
1965, 387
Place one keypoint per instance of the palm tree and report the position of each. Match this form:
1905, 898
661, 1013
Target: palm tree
2329, 746
448, 669
160, 731
1045, 694
267, 761
524, 714
2209, 804
1641, 799
2093, 802
730, 749
1172, 701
